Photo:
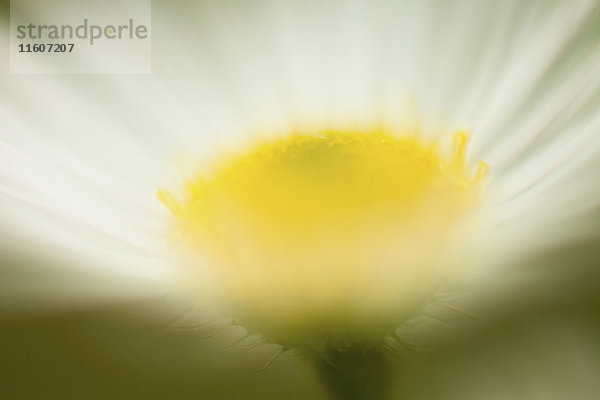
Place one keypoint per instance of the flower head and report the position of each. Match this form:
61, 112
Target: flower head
336, 237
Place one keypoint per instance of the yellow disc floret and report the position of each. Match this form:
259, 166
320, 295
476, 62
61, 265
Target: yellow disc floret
331, 238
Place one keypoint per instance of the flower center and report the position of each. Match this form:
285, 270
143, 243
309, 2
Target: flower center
336, 237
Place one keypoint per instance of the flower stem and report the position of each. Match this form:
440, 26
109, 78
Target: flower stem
355, 373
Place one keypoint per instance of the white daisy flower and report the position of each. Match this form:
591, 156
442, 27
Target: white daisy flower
351, 181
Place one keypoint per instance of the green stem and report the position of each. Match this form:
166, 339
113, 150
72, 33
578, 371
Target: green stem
355, 373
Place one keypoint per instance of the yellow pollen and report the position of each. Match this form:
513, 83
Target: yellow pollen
336, 237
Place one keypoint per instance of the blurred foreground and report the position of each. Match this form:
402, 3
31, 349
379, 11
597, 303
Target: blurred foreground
544, 346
